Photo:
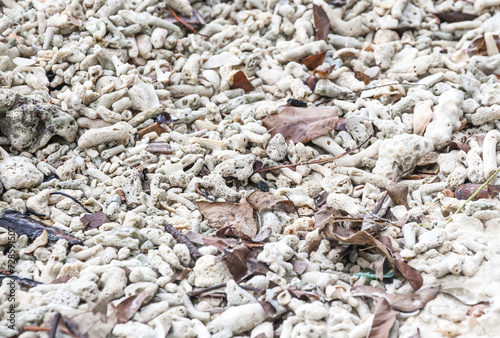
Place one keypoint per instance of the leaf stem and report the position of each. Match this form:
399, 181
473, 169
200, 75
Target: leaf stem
474, 194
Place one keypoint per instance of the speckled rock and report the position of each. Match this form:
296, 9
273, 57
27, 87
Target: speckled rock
18, 173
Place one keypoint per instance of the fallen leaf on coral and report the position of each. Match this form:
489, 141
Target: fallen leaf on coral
313, 61
478, 46
454, 145
269, 309
383, 321
302, 124
402, 302
321, 23
61, 280
262, 236
260, 200
129, 306
38, 242
240, 80
465, 191
155, 127
236, 262
298, 265
93, 221
303, 295
362, 77
455, 16
398, 193
238, 216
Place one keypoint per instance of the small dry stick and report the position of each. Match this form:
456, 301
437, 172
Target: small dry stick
72, 198
36, 328
223, 285
323, 160
184, 240
53, 329
475, 194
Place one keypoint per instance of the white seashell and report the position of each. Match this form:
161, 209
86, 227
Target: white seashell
422, 115
23, 61
144, 45
224, 58
211, 76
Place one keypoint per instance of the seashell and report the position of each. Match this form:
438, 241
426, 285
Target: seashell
19, 61
422, 116
211, 76
219, 60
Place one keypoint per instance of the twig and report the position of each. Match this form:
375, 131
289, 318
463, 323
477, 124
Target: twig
323, 160
178, 18
193, 251
223, 285
36, 328
475, 194
362, 90
72, 198
53, 329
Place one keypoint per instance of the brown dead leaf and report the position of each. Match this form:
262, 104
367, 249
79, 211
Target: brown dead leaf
159, 148
478, 46
236, 262
311, 82
398, 193
298, 265
155, 127
362, 77
302, 124
239, 216
465, 191
61, 280
383, 321
313, 61
93, 221
38, 242
262, 236
321, 23
129, 306
269, 309
455, 16
240, 80
260, 200
303, 295
412, 275
458, 146
402, 302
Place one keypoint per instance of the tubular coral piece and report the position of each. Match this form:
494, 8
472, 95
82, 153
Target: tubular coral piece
490, 153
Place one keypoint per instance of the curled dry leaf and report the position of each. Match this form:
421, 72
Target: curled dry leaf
362, 77
465, 191
25, 225
38, 242
402, 302
236, 262
240, 80
455, 16
422, 116
260, 200
302, 124
478, 46
129, 306
313, 61
238, 216
383, 321
93, 221
298, 265
321, 23
458, 146
398, 193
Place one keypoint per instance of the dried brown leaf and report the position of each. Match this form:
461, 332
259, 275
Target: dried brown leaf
383, 321
303, 295
260, 200
240, 80
38, 242
311, 82
262, 236
298, 265
402, 302
465, 191
313, 61
321, 23
302, 124
155, 127
239, 216
398, 193
478, 46
269, 309
93, 221
458, 146
159, 148
362, 77
129, 306
236, 262
455, 16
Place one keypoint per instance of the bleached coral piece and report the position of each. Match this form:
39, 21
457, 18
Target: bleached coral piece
401, 153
